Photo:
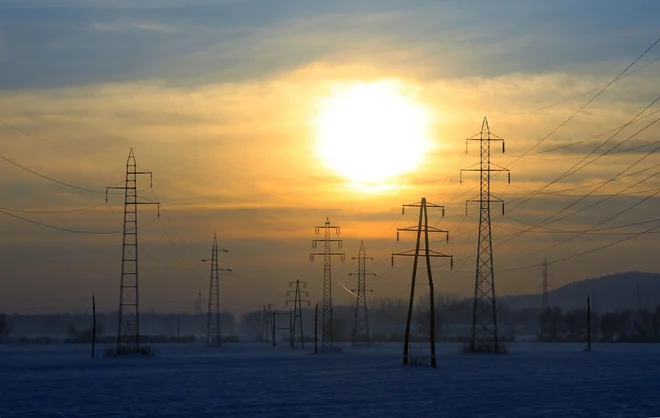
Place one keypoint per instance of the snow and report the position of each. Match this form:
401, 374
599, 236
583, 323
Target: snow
253, 380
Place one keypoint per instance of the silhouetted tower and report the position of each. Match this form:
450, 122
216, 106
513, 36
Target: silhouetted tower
268, 322
259, 326
546, 300
128, 329
361, 321
422, 226
484, 311
297, 309
213, 319
326, 329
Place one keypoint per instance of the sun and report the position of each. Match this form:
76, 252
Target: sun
370, 133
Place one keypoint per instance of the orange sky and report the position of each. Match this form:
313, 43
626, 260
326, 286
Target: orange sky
239, 155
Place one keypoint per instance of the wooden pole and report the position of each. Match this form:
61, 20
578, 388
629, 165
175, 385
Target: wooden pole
93, 324
430, 278
406, 340
588, 324
316, 329
273, 316
291, 328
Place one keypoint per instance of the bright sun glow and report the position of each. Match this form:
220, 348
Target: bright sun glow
371, 132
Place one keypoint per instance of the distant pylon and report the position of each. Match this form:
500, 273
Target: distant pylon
213, 319
546, 300
128, 327
327, 280
361, 321
259, 325
422, 226
268, 322
297, 310
484, 310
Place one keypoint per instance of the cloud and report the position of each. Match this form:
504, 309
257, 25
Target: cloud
122, 26
193, 43
221, 115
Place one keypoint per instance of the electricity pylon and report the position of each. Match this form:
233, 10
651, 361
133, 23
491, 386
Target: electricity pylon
128, 327
326, 329
214, 298
361, 322
484, 310
545, 304
297, 309
422, 225
268, 322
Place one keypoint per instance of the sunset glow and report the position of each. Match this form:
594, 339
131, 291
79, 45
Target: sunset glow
372, 132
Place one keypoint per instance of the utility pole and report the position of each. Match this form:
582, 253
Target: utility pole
484, 310
326, 329
316, 329
289, 316
93, 324
178, 327
128, 321
588, 324
213, 319
422, 226
297, 310
361, 321
258, 325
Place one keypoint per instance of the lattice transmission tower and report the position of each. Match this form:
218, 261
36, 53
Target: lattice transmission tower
427, 253
213, 318
545, 303
361, 321
326, 329
128, 327
297, 309
484, 336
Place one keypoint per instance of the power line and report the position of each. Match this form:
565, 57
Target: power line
602, 247
566, 174
596, 231
84, 189
53, 211
600, 223
585, 104
59, 228
579, 95
572, 144
24, 132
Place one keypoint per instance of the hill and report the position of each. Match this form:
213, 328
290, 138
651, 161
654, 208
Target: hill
608, 293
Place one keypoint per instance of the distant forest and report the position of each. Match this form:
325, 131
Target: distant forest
387, 318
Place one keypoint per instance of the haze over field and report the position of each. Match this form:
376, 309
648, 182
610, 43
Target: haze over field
239, 108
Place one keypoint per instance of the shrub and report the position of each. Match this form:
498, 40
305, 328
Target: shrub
124, 350
486, 347
419, 361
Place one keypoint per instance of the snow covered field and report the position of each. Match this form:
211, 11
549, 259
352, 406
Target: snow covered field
245, 380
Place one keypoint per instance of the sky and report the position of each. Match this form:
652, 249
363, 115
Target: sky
221, 101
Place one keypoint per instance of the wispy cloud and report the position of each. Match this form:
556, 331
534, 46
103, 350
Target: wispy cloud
128, 25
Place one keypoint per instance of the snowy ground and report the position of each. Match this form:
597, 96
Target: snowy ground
246, 380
